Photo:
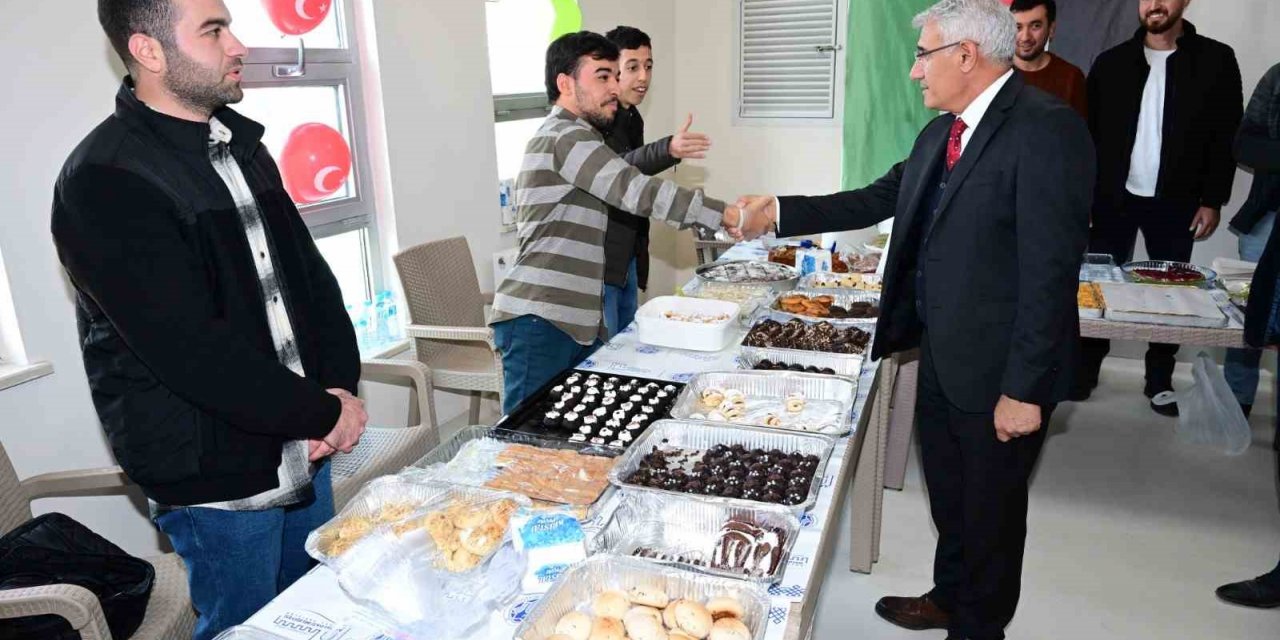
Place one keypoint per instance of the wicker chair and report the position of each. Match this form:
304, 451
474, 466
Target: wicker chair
169, 616
384, 450
447, 319
169, 612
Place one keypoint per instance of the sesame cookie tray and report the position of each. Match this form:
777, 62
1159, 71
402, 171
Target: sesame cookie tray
826, 408
580, 584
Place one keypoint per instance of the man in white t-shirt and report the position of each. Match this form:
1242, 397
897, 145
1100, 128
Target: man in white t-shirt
1163, 110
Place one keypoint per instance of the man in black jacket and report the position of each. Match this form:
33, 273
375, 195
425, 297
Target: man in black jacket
220, 358
1163, 108
1258, 148
626, 240
990, 219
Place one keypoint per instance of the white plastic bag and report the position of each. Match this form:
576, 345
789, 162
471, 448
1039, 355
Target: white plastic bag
1208, 413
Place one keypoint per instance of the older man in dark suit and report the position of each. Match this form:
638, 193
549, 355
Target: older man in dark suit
991, 217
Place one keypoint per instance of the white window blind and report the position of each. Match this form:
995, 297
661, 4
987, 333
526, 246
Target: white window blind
787, 59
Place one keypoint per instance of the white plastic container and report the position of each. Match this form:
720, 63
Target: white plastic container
659, 330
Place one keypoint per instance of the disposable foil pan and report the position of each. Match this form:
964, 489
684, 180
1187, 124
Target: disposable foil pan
691, 434
448, 450
828, 399
575, 590
689, 529
844, 299
418, 494
844, 364
812, 282
778, 276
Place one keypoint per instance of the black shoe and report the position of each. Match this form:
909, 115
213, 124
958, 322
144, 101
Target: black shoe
1170, 410
1260, 593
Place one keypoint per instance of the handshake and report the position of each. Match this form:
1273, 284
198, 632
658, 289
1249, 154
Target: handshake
751, 217
346, 433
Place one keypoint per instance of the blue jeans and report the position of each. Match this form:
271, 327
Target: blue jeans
620, 303
237, 561
1241, 368
533, 352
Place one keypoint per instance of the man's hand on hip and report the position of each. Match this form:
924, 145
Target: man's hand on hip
1015, 419
351, 422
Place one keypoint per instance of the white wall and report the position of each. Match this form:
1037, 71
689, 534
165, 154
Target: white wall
57, 94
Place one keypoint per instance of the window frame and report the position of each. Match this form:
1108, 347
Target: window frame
331, 67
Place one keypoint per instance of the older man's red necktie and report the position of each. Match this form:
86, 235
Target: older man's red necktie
953, 143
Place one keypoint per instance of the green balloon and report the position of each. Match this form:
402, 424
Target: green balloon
568, 18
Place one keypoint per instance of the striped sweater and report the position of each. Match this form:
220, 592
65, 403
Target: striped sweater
567, 179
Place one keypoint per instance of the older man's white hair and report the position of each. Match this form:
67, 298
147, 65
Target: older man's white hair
985, 22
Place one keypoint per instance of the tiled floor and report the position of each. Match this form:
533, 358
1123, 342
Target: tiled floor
1130, 532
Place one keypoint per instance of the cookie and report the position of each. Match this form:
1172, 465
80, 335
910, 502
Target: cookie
610, 604
607, 629
575, 625
648, 596
729, 629
723, 607
644, 626
693, 618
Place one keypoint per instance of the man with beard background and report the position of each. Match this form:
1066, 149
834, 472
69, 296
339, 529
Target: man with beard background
1163, 111
626, 243
219, 355
1037, 22
547, 313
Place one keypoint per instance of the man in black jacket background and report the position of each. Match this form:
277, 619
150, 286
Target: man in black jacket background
990, 218
220, 357
1258, 148
1163, 109
626, 241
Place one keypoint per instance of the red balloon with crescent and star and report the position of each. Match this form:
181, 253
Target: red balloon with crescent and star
315, 163
296, 17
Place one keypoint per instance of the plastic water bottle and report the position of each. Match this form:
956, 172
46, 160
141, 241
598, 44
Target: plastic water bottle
394, 331
380, 333
365, 326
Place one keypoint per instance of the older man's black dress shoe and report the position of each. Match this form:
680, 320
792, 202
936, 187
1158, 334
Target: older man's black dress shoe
1262, 592
916, 614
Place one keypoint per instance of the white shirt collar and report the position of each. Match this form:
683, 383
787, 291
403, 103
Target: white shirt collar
218, 132
972, 114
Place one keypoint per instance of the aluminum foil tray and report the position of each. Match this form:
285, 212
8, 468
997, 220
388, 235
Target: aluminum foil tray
447, 451
689, 529
843, 299
1207, 276
419, 495
828, 405
813, 281
689, 434
844, 364
778, 276
576, 588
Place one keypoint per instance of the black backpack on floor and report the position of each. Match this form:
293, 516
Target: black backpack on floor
55, 549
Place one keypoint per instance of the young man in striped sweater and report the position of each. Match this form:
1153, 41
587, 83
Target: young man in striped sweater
547, 312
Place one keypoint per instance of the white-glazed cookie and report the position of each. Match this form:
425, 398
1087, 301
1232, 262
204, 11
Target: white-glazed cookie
795, 402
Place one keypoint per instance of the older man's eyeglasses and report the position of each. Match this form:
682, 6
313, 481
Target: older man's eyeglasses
923, 54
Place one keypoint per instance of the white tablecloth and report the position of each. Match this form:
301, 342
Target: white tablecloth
316, 608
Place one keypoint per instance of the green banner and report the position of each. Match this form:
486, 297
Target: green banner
883, 110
